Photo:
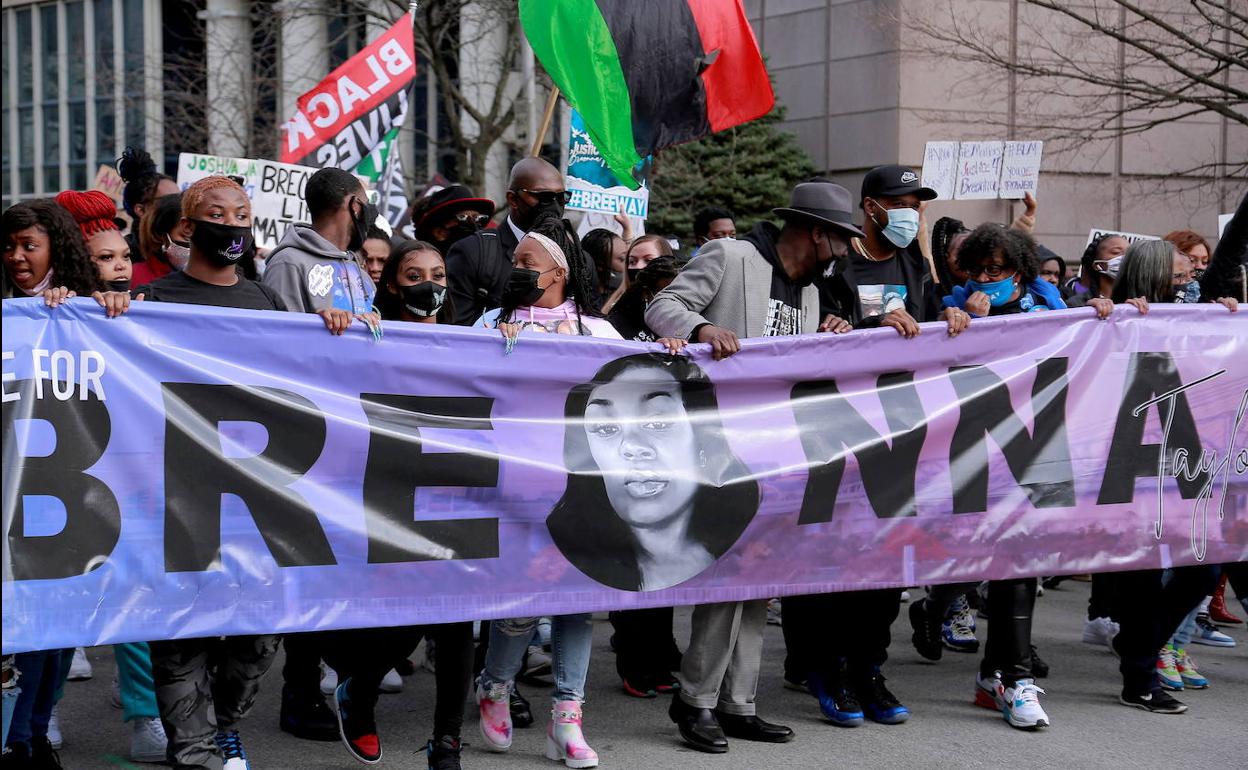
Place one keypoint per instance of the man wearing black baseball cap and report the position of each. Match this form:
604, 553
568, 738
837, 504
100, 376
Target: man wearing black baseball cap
760, 285
885, 280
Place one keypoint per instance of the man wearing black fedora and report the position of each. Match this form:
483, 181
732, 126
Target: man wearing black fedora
758, 286
450, 214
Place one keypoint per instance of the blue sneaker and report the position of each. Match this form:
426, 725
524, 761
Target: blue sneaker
1208, 633
958, 630
232, 755
878, 703
838, 704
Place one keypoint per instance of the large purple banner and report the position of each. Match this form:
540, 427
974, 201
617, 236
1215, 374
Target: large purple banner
185, 471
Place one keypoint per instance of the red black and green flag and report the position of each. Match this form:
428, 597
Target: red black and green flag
648, 75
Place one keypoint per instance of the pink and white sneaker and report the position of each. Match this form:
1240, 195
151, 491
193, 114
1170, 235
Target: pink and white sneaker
495, 707
564, 740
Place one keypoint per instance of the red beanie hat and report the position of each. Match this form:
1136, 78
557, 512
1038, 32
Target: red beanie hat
92, 210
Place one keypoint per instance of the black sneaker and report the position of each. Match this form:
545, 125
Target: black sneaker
42, 755
1039, 668
926, 638
306, 715
878, 704
521, 712
443, 753
1158, 701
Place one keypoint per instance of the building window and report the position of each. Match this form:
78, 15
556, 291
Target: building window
75, 73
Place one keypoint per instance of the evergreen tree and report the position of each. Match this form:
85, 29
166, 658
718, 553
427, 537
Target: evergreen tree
751, 169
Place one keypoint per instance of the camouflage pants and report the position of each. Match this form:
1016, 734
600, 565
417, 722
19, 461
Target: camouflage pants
206, 685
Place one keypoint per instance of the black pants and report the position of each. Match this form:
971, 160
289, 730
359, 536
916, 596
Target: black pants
1149, 613
644, 644
822, 631
365, 656
1008, 648
301, 671
1101, 600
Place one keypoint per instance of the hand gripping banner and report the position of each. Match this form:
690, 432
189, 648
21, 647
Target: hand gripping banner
186, 471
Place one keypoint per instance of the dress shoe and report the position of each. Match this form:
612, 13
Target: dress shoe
698, 727
751, 728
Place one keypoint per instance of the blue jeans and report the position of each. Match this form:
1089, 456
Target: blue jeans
1183, 636
33, 707
571, 641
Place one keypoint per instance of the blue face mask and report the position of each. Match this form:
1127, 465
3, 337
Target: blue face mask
999, 292
902, 227
1189, 293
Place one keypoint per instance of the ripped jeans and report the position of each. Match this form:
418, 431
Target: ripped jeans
571, 641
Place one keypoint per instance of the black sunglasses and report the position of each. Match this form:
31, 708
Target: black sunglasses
549, 196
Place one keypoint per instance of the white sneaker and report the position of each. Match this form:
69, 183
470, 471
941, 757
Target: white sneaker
147, 740
329, 682
1101, 632
391, 682
905, 596
989, 694
54, 728
1022, 706
80, 668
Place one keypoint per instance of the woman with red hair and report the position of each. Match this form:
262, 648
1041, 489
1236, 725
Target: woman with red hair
94, 212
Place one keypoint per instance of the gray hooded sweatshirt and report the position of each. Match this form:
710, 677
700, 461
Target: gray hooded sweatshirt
310, 274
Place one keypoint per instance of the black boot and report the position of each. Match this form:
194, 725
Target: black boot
43, 756
521, 712
305, 715
698, 727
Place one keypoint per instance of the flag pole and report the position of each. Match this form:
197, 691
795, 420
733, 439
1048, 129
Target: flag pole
547, 117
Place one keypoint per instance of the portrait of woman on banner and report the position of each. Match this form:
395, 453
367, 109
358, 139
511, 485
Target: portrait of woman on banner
655, 494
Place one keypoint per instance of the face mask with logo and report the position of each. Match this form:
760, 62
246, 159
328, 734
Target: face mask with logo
423, 299
177, 254
120, 284
614, 279
902, 227
223, 245
1188, 293
999, 292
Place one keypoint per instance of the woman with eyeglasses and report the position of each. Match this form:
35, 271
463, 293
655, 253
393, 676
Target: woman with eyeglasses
1002, 275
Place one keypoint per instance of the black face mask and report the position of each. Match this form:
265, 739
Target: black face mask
121, 284
545, 208
522, 289
614, 279
633, 272
457, 233
423, 299
223, 245
366, 219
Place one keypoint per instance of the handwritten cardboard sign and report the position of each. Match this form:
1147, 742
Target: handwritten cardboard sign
1020, 168
1097, 232
1223, 221
979, 170
940, 168
109, 182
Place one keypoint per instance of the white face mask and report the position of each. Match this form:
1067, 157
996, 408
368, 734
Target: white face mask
40, 287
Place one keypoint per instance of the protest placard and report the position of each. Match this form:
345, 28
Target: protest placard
940, 168
594, 188
275, 189
979, 170
1223, 221
109, 182
1097, 232
1020, 168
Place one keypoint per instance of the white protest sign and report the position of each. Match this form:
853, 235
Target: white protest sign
979, 170
940, 168
275, 189
1020, 168
1097, 232
1223, 221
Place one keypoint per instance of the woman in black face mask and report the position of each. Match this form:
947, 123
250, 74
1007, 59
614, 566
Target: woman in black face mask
412, 286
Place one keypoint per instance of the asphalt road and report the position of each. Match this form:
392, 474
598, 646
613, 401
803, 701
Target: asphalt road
1090, 729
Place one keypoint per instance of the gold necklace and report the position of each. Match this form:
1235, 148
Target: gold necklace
861, 248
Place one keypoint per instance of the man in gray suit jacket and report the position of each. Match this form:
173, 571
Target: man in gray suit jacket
759, 286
